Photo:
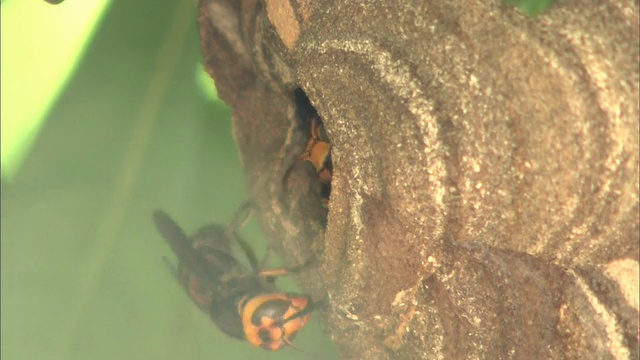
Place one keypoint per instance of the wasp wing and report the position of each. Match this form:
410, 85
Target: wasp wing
181, 246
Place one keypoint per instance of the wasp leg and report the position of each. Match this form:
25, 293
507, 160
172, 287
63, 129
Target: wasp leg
259, 267
241, 217
273, 273
265, 259
221, 236
269, 274
239, 220
248, 251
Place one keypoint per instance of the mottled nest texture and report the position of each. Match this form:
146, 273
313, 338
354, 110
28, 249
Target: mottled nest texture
485, 189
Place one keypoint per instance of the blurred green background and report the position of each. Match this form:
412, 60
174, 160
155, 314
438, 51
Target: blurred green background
134, 129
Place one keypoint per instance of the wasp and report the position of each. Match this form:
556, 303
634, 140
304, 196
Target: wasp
245, 304
318, 148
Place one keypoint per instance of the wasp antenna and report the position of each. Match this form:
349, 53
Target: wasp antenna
320, 304
290, 344
312, 355
306, 311
313, 306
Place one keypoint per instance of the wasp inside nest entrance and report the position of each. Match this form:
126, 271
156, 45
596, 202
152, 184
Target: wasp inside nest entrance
318, 148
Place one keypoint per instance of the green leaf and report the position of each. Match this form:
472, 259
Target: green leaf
41, 46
